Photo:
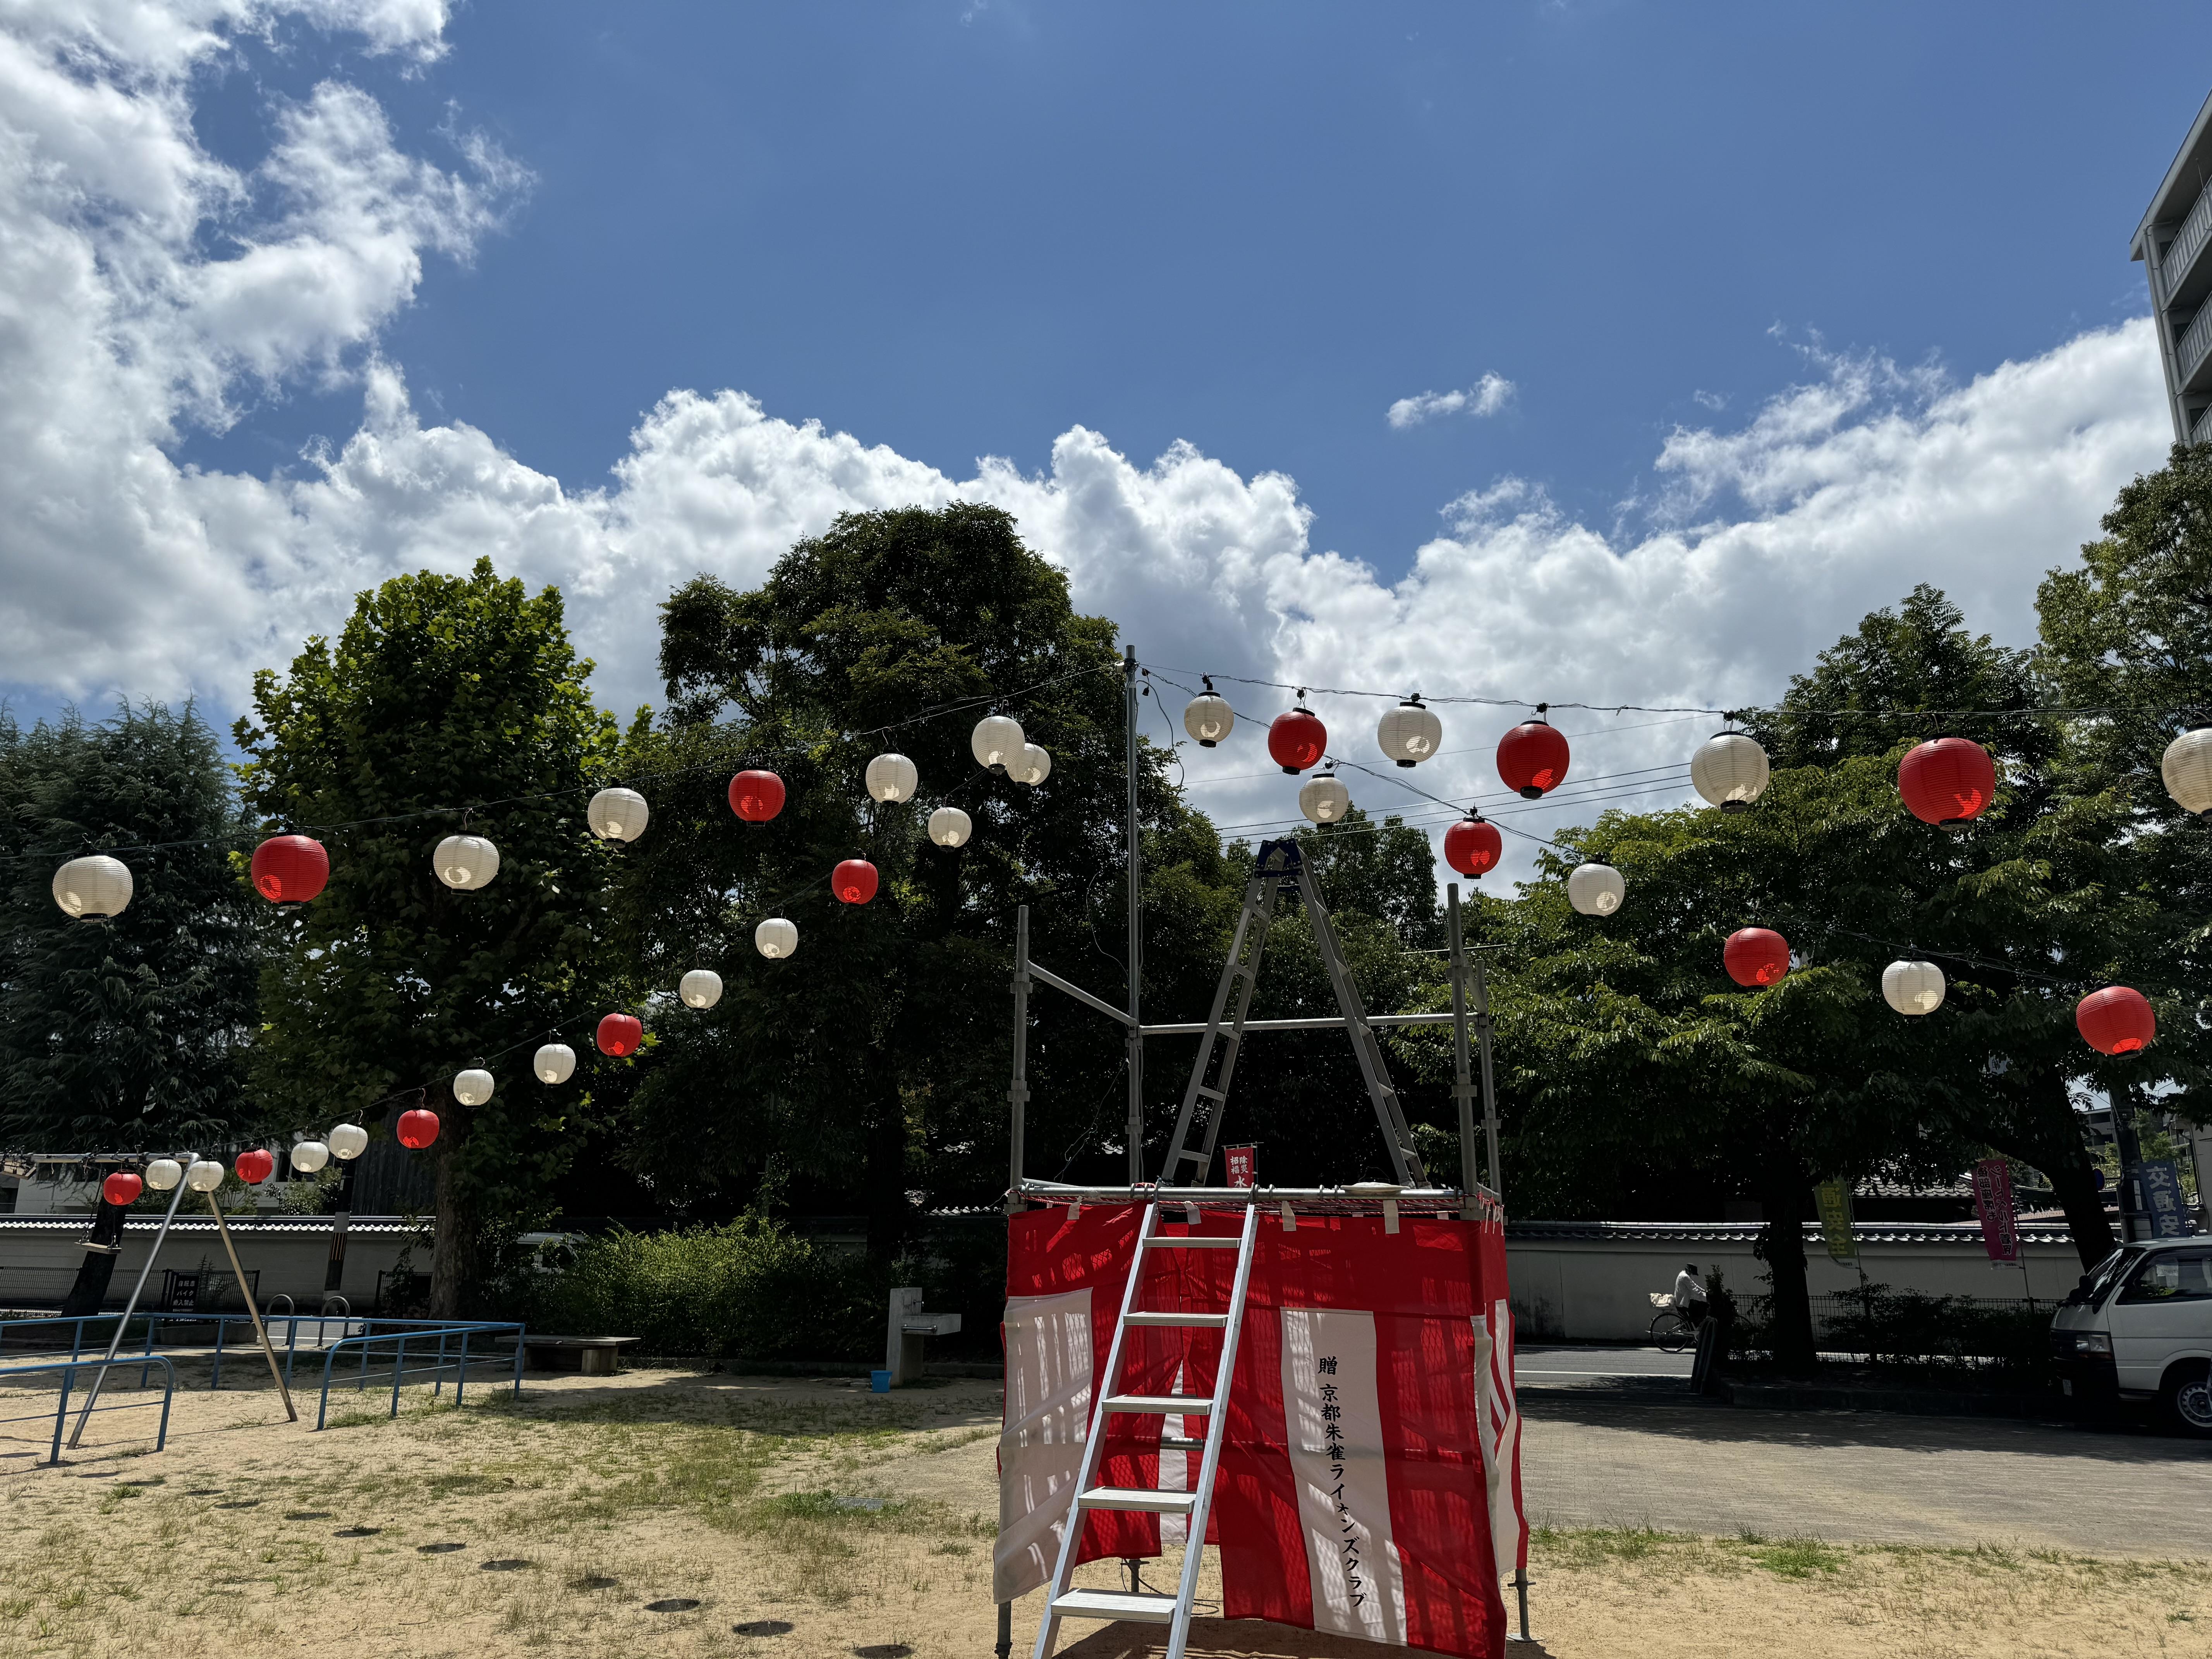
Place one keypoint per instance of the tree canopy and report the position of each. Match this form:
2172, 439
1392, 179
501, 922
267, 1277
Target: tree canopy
441, 693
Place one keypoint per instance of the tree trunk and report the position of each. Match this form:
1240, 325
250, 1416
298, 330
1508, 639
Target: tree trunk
453, 1260
2049, 1139
102, 1246
1782, 1246
885, 1177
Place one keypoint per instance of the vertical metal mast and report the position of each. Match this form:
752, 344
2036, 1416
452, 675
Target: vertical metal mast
1136, 926
1483, 1027
1462, 1069
1017, 1092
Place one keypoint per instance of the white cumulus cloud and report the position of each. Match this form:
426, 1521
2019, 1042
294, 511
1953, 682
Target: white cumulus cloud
146, 286
1486, 396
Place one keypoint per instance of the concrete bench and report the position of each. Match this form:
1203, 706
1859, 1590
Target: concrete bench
594, 1356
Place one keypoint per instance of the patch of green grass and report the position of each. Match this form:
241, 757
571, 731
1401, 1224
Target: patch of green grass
1800, 1558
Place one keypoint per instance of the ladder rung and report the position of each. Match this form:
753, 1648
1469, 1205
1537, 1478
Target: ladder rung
1137, 1497
1195, 1158
1116, 1604
1211, 1094
1186, 1242
1190, 1405
1197, 1321
1178, 1442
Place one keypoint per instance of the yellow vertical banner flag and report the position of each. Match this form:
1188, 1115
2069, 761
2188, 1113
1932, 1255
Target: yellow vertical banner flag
1834, 1199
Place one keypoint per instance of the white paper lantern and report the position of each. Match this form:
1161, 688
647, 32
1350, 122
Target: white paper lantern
348, 1141
1409, 733
775, 938
618, 814
2186, 768
472, 1087
310, 1156
950, 827
554, 1063
1912, 988
1208, 718
1032, 765
163, 1173
1729, 770
1595, 889
1323, 798
89, 888
466, 862
996, 742
702, 988
204, 1177
891, 777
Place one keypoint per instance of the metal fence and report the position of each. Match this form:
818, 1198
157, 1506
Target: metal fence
69, 1369
220, 1336
452, 1354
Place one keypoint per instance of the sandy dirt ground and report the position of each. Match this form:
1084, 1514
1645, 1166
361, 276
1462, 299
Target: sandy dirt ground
673, 1512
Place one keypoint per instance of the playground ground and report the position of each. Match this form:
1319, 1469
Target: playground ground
833, 1522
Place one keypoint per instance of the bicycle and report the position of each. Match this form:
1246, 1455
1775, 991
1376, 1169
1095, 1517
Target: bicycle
1673, 1330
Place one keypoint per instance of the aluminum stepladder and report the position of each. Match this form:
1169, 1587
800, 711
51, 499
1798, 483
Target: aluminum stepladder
1148, 1607
1281, 864
1261, 895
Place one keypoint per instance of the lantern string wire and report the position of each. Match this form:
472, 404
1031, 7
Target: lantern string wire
717, 764
1934, 953
1743, 712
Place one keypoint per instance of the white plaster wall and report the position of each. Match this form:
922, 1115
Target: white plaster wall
1599, 1290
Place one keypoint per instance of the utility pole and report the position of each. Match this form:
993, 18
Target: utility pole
1136, 1130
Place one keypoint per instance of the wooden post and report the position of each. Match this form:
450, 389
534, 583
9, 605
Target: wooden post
245, 1290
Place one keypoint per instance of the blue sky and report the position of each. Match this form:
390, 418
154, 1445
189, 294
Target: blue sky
958, 228
1618, 354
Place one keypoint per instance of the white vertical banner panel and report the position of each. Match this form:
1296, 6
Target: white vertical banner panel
1048, 1413
1177, 1467
1498, 1404
1334, 1423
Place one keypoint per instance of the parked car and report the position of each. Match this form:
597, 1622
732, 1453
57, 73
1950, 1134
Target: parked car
2139, 1327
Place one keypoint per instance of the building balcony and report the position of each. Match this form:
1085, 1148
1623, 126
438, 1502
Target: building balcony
2192, 354
2184, 272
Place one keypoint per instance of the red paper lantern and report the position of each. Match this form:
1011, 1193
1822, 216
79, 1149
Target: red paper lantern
853, 881
1297, 739
417, 1128
1532, 758
621, 1035
2116, 1020
1755, 956
757, 797
121, 1189
291, 869
254, 1167
1473, 846
1947, 782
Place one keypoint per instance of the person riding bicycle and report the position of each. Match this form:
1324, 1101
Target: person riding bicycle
1690, 1299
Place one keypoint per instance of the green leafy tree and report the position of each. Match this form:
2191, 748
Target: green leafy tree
875, 1059
129, 1034
2031, 906
446, 703
2127, 639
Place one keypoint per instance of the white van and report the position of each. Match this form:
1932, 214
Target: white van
2139, 1327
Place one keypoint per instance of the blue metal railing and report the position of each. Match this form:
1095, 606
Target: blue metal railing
435, 1367
69, 1369
288, 1333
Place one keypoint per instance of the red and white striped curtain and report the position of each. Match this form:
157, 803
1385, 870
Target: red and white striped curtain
1370, 1481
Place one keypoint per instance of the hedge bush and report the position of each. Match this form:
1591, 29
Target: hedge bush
749, 1289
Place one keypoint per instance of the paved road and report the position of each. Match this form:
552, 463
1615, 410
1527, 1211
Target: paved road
1540, 1366
1625, 1454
